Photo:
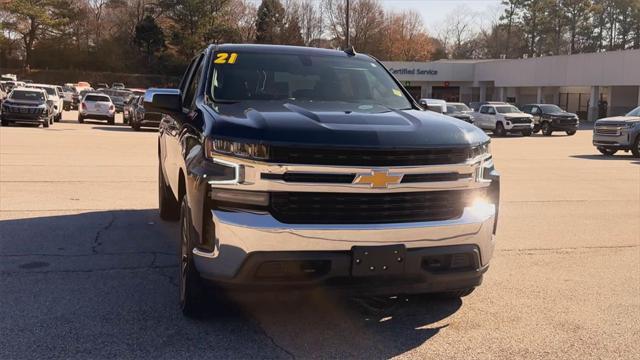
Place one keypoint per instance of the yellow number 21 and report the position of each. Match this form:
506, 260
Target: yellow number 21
226, 58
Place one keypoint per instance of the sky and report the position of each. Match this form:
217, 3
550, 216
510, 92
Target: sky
434, 12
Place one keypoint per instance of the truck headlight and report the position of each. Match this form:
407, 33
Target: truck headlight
631, 124
237, 149
479, 150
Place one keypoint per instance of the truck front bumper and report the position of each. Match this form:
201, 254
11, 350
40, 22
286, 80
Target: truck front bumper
622, 140
255, 250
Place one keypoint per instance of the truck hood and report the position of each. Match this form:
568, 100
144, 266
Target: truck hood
516, 115
340, 125
562, 114
23, 102
615, 120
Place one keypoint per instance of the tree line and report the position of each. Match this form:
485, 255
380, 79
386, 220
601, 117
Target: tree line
161, 36
528, 28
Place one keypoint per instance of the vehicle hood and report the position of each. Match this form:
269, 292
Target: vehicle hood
23, 102
562, 114
617, 120
340, 125
517, 115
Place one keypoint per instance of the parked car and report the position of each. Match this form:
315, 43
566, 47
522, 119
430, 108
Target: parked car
127, 110
475, 105
550, 118
70, 100
117, 85
618, 133
27, 105
118, 96
437, 105
502, 119
97, 106
459, 111
143, 118
101, 85
55, 99
371, 201
3, 93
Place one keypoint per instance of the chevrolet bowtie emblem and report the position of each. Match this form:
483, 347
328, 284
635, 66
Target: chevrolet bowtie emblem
378, 179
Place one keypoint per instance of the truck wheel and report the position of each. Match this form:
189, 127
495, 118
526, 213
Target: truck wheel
5, 123
526, 133
546, 129
45, 124
536, 128
571, 132
191, 287
112, 120
80, 119
607, 152
135, 125
636, 147
499, 131
457, 294
169, 207
57, 118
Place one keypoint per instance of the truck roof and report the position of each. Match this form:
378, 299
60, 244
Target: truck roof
281, 49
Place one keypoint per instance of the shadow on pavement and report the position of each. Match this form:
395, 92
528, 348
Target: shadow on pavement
625, 157
121, 127
104, 284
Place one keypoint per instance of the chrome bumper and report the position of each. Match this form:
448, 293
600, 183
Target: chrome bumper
239, 234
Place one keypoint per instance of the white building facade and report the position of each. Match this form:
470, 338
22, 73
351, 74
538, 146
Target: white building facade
592, 85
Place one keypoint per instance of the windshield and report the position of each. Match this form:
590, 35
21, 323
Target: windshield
49, 90
507, 109
551, 108
634, 112
305, 78
457, 108
27, 95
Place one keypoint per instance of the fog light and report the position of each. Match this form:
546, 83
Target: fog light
241, 197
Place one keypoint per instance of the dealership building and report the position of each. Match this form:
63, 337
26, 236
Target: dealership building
591, 85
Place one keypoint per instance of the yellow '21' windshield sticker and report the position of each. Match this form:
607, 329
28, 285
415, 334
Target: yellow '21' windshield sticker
226, 58
397, 92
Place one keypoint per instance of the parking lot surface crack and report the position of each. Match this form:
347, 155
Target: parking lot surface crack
273, 341
96, 240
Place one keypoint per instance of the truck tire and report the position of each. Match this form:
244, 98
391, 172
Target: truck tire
457, 294
536, 128
607, 152
499, 131
191, 287
526, 133
135, 125
5, 123
635, 150
571, 132
80, 119
45, 124
57, 118
546, 129
167, 203
112, 120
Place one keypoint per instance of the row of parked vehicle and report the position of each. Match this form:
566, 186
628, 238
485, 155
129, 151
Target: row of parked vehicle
501, 118
26, 102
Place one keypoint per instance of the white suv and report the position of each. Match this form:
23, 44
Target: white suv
97, 106
56, 99
503, 118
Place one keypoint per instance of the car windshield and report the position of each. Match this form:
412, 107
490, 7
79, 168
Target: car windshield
49, 90
305, 78
451, 108
27, 95
550, 108
96, 98
634, 112
507, 109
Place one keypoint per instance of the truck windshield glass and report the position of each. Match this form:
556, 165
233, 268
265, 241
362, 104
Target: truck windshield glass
27, 95
550, 108
49, 90
304, 78
507, 109
451, 108
634, 112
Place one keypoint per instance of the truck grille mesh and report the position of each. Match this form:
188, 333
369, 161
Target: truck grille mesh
367, 208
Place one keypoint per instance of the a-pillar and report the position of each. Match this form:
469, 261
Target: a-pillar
594, 99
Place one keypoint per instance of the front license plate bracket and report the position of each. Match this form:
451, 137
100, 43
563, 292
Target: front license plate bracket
378, 260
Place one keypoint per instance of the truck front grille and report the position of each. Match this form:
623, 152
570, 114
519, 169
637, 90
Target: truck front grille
23, 110
612, 131
366, 208
520, 120
369, 157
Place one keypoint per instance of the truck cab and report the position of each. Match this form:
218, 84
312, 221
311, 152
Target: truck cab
502, 119
293, 167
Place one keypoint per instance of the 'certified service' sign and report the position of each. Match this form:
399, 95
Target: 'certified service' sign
414, 71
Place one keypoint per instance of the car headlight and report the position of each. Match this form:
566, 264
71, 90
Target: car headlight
631, 124
480, 150
237, 149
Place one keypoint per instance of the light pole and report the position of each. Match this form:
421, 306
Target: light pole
348, 34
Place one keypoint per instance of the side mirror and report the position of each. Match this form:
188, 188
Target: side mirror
165, 101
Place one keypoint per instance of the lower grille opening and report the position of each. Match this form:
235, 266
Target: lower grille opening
293, 269
449, 262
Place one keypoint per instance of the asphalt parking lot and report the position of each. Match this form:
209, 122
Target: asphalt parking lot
89, 271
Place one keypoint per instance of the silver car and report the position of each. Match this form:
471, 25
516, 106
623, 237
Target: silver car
97, 106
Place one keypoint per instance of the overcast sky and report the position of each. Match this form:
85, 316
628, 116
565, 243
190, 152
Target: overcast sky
434, 12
